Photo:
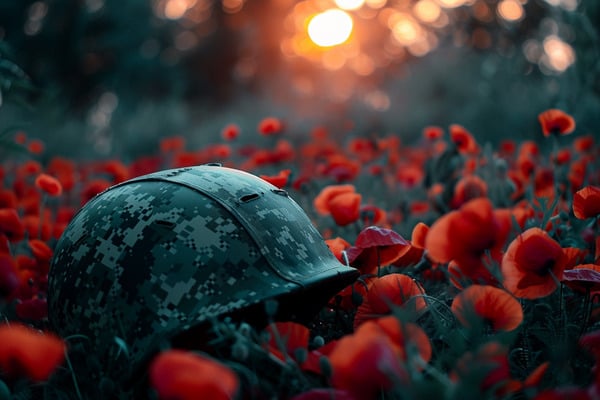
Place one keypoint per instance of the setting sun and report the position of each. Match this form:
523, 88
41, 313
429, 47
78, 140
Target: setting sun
330, 28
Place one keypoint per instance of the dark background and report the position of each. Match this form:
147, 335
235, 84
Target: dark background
109, 77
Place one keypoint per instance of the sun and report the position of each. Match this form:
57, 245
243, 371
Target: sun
330, 28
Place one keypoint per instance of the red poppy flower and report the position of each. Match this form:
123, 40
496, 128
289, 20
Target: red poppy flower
37, 227
372, 215
219, 152
64, 170
9, 281
145, 165
419, 233
586, 202
172, 144
562, 157
280, 180
183, 375
577, 174
463, 139
525, 166
11, 224
345, 208
25, 352
583, 144
269, 126
417, 247
49, 185
365, 149
35, 146
313, 358
376, 247
591, 342
182, 159
365, 362
341, 168
419, 207
25, 262
410, 175
352, 295
467, 274
116, 169
290, 335
30, 167
492, 359
433, 132
467, 188
375, 169
470, 165
535, 377
532, 264
322, 201
385, 293
337, 245
506, 218
584, 278
92, 188
543, 183
557, 122
20, 137
230, 132
405, 335
34, 309
283, 152
575, 256
258, 158
319, 133
8, 199
508, 147
493, 305
41, 251
465, 235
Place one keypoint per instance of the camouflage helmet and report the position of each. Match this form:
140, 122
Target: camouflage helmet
159, 254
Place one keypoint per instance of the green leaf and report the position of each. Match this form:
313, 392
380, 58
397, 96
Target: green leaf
122, 347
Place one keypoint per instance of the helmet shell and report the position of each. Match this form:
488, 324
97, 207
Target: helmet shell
156, 255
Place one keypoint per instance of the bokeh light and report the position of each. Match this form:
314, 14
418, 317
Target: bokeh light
330, 28
349, 4
558, 55
451, 3
510, 10
175, 9
427, 10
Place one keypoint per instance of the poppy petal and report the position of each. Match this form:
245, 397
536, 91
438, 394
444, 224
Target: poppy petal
586, 202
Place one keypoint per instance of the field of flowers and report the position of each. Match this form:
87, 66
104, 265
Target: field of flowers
480, 267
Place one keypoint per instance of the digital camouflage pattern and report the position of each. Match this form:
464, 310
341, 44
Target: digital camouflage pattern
158, 254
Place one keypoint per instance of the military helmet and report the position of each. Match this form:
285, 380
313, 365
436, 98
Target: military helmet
159, 254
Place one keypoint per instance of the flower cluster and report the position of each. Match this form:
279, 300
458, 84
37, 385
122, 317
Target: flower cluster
480, 266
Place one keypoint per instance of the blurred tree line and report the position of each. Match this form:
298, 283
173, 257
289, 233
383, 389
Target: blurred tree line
78, 49
71, 52
82, 47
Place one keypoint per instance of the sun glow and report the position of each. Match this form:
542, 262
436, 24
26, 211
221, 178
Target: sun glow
349, 4
330, 28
